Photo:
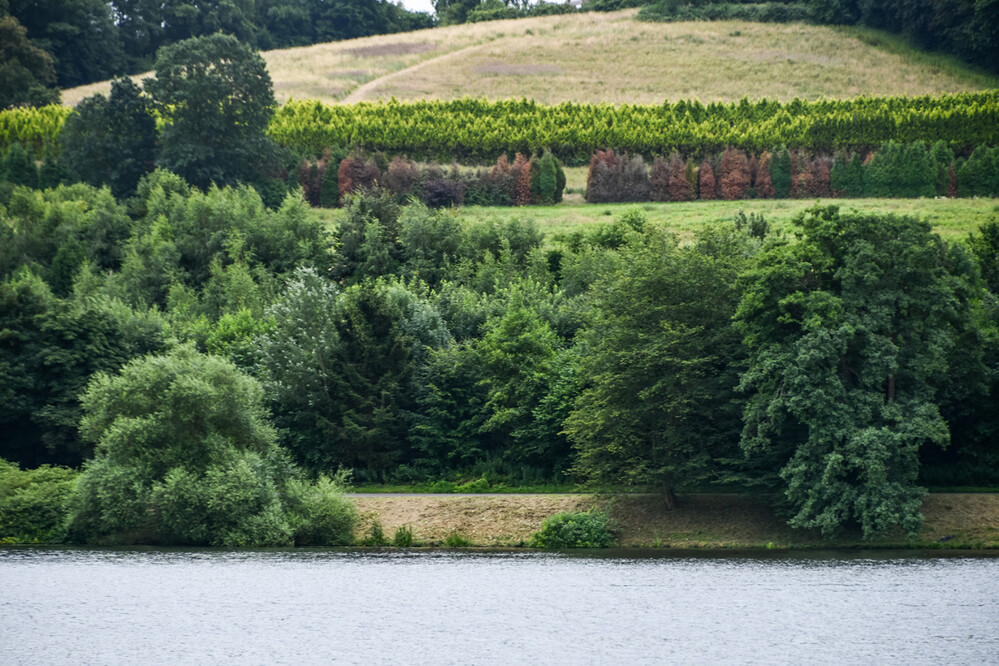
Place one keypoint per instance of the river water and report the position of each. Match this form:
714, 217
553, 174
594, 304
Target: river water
160, 606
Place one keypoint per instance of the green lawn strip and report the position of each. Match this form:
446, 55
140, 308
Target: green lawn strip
951, 218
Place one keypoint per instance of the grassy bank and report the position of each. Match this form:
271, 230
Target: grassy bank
697, 521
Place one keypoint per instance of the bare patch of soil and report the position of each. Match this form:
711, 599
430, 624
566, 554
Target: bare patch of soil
393, 49
507, 69
491, 520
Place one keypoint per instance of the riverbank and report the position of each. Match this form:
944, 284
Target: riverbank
965, 520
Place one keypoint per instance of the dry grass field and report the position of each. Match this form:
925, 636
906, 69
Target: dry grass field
610, 57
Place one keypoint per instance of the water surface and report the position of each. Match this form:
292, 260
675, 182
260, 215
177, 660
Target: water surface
91, 606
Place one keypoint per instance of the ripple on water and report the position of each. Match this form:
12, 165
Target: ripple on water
99, 606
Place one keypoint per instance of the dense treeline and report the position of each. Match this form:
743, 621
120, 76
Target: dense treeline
830, 367
64, 43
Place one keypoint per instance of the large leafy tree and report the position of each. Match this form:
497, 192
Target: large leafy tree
27, 75
216, 99
659, 358
850, 329
184, 454
111, 140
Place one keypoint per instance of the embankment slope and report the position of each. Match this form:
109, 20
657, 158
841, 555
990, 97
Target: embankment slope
697, 521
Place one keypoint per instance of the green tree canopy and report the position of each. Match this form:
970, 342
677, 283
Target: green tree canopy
216, 99
80, 35
184, 454
111, 141
27, 75
659, 362
849, 331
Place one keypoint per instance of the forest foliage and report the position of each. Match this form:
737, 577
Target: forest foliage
216, 359
830, 367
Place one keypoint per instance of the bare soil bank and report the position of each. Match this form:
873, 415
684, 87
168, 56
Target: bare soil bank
697, 521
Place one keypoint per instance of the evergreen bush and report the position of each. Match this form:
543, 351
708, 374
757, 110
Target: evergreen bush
780, 172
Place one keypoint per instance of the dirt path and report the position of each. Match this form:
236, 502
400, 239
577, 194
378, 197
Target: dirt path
698, 521
360, 93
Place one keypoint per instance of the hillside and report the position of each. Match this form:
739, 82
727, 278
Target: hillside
610, 57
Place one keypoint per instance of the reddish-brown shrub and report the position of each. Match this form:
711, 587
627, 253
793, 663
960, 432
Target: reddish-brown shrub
502, 167
680, 188
521, 174
355, 173
706, 181
659, 180
764, 184
754, 168
814, 181
402, 174
734, 171
951, 182
617, 178
603, 161
796, 161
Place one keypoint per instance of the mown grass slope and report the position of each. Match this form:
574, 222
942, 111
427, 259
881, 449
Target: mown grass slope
611, 57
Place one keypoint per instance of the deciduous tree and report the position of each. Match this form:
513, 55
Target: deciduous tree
849, 331
216, 99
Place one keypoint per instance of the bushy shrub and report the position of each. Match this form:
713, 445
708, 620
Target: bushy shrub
456, 540
706, 181
491, 10
520, 173
882, 171
780, 172
356, 172
403, 537
442, 193
659, 180
582, 529
814, 180
33, 503
735, 175
184, 454
979, 175
941, 160
401, 177
617, 178
680, 186
763, 183
319, 513
544, 180
846, 178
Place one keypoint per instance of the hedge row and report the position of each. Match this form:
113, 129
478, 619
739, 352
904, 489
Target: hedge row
526, 181
895, 170
477, 130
